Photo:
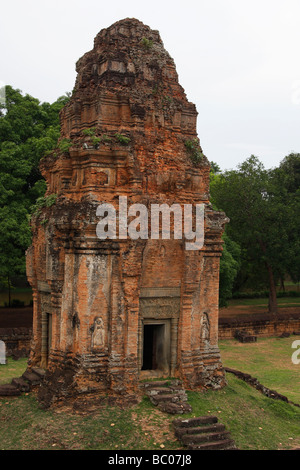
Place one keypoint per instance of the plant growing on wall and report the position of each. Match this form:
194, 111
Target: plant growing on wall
147, 43
91, 131
122, 139
64, 145
194, 150
45, 201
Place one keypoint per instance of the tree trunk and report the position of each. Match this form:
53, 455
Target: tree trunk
273, 305
9, 294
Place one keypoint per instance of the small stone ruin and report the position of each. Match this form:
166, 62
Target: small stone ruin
111, 312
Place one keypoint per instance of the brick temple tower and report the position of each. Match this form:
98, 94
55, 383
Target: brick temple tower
108, 313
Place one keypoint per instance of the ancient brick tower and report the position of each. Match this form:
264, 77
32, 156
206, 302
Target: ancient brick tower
109, 312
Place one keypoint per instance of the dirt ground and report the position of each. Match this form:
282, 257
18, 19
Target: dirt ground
16, 317
247, 312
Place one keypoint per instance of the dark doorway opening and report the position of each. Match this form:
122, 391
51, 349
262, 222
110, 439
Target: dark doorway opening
153, 347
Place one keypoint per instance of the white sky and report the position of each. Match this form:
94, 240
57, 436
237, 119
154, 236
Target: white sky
238, 61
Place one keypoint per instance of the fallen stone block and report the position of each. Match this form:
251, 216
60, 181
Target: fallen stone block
9, 391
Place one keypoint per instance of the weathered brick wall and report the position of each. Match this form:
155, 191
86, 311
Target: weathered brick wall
89, 292
17, 340
264, 327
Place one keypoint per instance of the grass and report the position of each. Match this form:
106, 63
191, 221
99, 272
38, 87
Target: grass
255, 421
12, 369
269, 360
282, 302
24, 426
22, 294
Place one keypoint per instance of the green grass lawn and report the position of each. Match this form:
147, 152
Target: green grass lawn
263, 303
255, 421
22, 294
12, 369
269, 360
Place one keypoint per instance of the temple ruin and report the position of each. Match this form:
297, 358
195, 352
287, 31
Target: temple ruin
111, 312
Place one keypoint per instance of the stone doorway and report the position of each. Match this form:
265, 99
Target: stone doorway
156, 347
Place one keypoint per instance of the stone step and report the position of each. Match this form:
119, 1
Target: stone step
162, 383
9, 390
226, 444
179, 432
175, 408
188, 439
31, 377
38, 371
167, 397
194, 422
158, 391
21, 384
177, 388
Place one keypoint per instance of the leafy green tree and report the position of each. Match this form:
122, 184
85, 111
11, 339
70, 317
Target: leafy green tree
286, 189
229, 268
230, 261
261, 220
28, 129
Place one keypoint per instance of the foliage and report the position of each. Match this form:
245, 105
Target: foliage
89, 132
64, 145
194, 150
147, 43
229, 267
43, 201
286, 189
105, 138
96, 141
122, 139
264, 216
28, 130
214, 168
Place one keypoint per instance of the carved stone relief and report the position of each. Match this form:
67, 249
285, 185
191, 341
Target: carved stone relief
205, 329
160, 307
98, 334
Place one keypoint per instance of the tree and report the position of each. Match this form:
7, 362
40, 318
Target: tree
229, 267
231, 256
260, 219
28, 129
286, 188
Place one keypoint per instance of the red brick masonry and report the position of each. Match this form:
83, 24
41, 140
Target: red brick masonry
95, 299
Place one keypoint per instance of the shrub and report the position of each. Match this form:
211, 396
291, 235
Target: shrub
105, 138
122, 139
147, 43
96, 141
44, 202
194, 150
64, 145
50, 200
89, 132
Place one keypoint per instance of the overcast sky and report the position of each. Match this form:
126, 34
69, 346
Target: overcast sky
238, 61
